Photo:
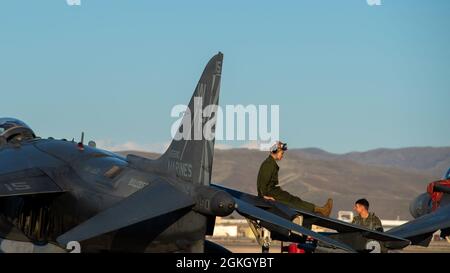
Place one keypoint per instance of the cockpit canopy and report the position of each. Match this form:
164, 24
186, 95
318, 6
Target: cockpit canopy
14, 131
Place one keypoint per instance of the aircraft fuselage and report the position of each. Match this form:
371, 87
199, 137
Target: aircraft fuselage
91, 180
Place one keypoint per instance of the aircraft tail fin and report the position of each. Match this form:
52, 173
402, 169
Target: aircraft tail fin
190, 155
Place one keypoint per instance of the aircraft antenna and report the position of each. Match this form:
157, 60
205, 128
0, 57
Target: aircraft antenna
81, 143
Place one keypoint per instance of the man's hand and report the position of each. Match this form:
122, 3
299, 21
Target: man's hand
269, 198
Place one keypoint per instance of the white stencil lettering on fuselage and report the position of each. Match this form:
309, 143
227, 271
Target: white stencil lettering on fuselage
138, 184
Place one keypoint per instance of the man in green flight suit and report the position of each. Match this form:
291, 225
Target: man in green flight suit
268, 184
366, 218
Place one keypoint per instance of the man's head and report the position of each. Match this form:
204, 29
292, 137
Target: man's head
361, 206
277, 150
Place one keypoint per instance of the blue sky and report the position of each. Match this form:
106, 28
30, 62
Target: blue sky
347, 76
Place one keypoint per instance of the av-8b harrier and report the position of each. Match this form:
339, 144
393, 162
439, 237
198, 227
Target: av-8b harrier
55, 192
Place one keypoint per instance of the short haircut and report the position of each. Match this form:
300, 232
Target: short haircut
363, 202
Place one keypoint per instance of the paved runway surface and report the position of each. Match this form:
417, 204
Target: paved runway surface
247, 246
236, 246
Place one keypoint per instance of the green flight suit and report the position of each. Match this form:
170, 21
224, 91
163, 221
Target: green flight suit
372, 222
268, 186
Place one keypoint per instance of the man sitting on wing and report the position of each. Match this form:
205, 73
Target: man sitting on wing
268, 184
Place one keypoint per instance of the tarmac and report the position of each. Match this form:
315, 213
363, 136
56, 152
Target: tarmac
250, 246
242, 245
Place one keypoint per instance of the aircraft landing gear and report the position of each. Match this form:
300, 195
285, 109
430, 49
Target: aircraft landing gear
262, 235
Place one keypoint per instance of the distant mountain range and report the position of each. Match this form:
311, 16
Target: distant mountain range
388, 178
423, 159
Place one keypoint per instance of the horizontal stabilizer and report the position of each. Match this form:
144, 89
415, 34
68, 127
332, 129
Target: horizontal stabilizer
316, 219
344, 227
252, 212
156, 199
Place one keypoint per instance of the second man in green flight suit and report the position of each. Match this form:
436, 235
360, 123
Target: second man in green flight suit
268, 184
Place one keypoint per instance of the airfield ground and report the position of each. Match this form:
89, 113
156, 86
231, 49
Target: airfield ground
249, 246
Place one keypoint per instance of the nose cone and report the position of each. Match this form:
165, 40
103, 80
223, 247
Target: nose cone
421, 205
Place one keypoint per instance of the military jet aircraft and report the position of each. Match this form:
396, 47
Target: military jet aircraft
431, 211
58, 192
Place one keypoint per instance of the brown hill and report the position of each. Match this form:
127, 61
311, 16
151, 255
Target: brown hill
434, 160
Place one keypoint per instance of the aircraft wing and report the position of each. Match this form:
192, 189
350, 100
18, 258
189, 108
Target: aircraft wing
154, 200
344, 227
392, 240
253, 212
256, 208
26, 182
420, 230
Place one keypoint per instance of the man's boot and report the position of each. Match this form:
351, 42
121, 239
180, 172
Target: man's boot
326, 209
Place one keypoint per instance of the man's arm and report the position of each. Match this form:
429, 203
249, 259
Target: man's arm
264, 177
